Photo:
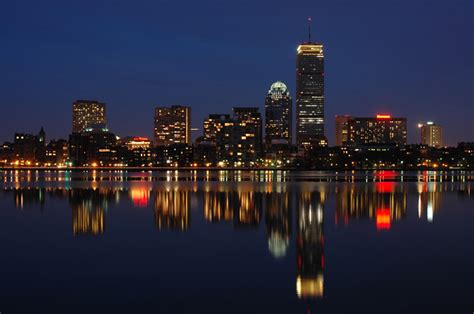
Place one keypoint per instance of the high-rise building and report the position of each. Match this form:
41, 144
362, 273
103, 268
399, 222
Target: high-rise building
383, 129
278, 115
213, 125
250, 119
431, 134
342, 130
172, 125
86, 114
310, 94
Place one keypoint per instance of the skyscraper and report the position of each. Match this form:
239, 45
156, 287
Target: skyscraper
309, 94
431, 134
172, 125
87, 113
278, 115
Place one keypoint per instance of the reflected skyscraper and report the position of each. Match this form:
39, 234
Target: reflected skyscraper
278, 222
310, 245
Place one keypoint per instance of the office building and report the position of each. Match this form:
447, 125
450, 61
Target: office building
172, 125
382, 129
310, 94
213, 124
342, 130
431, 134
86, 114
278, 115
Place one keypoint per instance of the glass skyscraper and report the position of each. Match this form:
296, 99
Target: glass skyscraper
310, 95
278, 115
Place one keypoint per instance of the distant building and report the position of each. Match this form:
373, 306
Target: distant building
383, 129
29, 149
251, 120
213, 124
172, 125
93, 147
342, 130
309, 94
57, 153
138, 151
87, 113
431, 134
278, 115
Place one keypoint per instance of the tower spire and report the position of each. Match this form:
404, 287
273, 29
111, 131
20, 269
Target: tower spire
309, 29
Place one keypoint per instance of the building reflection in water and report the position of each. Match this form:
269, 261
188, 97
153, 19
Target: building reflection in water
310, 244
88, 210
429, 200
140, 196
278, 222
247, 208
172, 209
217, 206
383, 202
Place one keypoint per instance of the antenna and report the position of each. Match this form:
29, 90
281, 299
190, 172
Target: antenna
309, 29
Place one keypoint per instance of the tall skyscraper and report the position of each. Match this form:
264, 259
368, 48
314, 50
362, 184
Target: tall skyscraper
309, 94
383, 129
431, 134
278, 115
87, 113
342, 130
172, 125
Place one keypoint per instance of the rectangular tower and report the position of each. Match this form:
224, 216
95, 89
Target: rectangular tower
342, 130
86, 113
172, 125
309, 94
431, 134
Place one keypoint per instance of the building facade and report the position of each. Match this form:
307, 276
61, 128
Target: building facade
172, 125
310, 94
383, 129
342, 130
278, 115
87, 114
431, 134
213, 125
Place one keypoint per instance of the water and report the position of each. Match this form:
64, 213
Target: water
238, 242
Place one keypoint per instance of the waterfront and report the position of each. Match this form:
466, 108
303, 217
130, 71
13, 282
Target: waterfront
241, 242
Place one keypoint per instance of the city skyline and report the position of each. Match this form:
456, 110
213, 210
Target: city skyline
420, 96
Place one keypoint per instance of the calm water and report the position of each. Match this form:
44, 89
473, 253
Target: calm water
239, 242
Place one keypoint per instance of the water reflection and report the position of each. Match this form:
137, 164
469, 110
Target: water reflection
284, 207
310, 245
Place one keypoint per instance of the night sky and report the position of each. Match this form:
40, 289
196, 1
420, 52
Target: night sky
408, 58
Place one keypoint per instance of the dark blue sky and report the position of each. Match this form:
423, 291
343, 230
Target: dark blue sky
409, 58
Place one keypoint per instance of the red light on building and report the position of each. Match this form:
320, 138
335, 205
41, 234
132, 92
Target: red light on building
382, 218
140, 139
384, 116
